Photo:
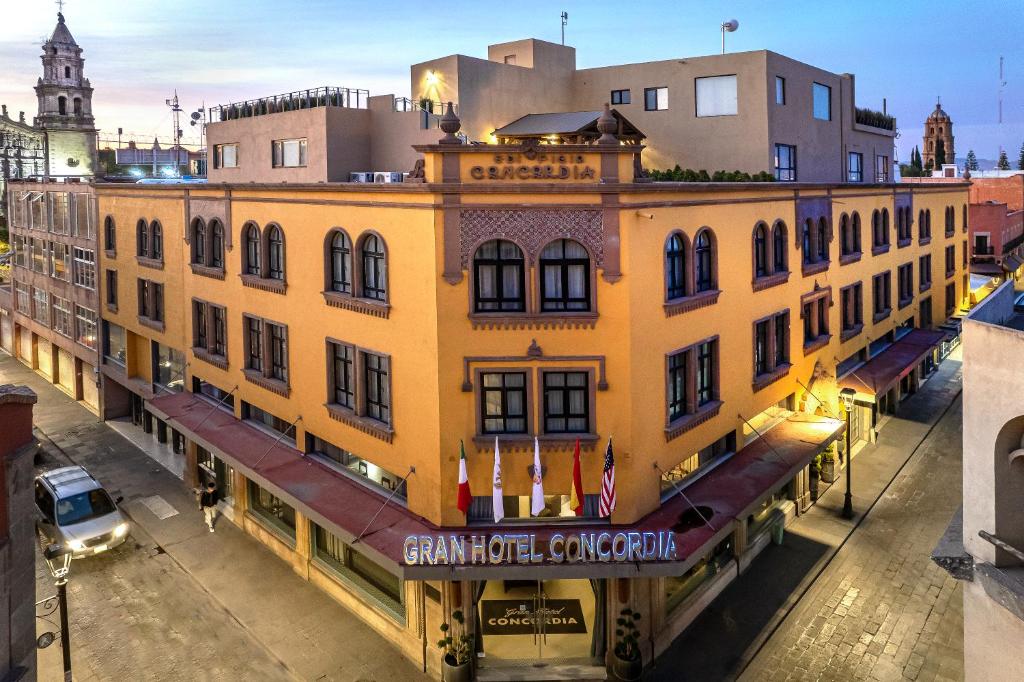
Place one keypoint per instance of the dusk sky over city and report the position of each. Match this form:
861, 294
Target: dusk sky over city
138, 53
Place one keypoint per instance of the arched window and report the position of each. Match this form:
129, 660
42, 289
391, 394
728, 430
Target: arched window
498, 277
922, 227
156, 246
805, 241
340, 263
251, 237
928, 220
675, 267
109, 233
855, 230
822, 239
216, 244
885, 226
703, 261
564, 277
275, 252
845, 236
779, 254
374, 280
965, 218
62, 105
760, 250
142, 238
77, 106
876, 228
198, 242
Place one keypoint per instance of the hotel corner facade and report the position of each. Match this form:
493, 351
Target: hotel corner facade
322, 350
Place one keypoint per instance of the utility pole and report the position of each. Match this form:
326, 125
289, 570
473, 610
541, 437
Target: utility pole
565, 20
175, 111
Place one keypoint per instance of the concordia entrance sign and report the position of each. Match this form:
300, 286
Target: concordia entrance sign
526, 548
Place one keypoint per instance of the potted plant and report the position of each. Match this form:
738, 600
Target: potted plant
815, 468
627, 664
828, 464
457, 650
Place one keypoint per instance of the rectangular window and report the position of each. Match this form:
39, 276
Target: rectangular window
21, 256
342, 385
278, 352
377, 402
84, 224
950, 298
223, 398
41, 306
254, 343
59, 212
85, 327
115, 343
852, 306
822, 95
268, 421
271, 509
362, 469
85, 268
785, 162
716, 96
38, 254
168, 368
963, 251
926, 313
620, 97
382, 585
158, 302
111, 287
924, 268
225, 156
23, 299
60, 261
780, 90
220, 331
566, 402
678, 393
289, 153
856, 173
706, 361
200, 338
781, 330
950, 260
144, 297
655, 99
62, 316
905, 280
761, 365
697, 461
503, 402
881, 168
882, 285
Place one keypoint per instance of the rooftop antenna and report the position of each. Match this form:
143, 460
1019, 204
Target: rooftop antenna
176, 111
1002, 84
729, 26
565, 20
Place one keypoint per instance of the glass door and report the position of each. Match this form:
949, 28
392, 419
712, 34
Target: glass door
536, 622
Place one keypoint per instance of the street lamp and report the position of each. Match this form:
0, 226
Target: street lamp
847, 395
58, 560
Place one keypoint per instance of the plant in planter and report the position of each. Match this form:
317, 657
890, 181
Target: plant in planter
815, 469
457, 647
628, 664
828, 464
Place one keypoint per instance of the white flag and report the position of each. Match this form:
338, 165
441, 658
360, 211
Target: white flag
537, 502
498, 501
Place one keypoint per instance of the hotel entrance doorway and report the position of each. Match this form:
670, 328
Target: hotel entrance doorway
540, 622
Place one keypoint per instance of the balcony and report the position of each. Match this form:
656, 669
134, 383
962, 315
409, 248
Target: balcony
350, 98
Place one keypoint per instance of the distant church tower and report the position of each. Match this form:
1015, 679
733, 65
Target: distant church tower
938, 127
65, 107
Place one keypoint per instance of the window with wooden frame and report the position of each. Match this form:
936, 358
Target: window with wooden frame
905, 284
692, 386
566, 402
111, 289
374, 268
359, 388
950, 260
498, 277
266, 354
504, 402
881, 286
852, 309
675, 266
771, 348
377, 399
209, 332
565, 277
924, 270
814, 313
950, 298
341, 375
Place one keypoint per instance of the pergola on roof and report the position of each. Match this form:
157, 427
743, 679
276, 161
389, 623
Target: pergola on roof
573, 127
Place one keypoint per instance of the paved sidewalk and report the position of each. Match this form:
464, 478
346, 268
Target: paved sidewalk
731, 630
311, 636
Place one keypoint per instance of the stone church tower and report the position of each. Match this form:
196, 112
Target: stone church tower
65, 107
938, 127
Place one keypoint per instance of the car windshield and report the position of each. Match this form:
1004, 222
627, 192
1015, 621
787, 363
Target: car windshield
83, 507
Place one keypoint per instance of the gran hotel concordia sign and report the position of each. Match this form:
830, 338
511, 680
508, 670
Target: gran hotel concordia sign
527, 548
535, 165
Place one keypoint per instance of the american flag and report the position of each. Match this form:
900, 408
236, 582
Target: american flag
607, 505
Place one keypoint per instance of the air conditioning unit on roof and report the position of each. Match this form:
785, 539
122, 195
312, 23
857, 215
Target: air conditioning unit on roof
364, 176
386, 176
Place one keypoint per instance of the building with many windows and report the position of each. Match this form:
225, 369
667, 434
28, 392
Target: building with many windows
325, 350
53, 323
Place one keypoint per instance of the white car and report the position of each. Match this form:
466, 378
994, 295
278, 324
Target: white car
77, 513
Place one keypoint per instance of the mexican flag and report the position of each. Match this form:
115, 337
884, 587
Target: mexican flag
576, 493
465, 497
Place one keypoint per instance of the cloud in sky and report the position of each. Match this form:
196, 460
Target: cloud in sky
138, 52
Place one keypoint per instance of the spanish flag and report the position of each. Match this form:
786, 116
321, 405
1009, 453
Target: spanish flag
576, 495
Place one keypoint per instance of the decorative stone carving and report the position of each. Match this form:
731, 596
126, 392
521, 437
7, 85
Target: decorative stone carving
418, 172
450, 124
534, 351
607, 126
532, 230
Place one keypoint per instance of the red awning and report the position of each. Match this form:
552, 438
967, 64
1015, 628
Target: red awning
344, 507
880, 373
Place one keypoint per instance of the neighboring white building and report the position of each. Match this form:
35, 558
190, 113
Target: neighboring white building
988, 552
61, 142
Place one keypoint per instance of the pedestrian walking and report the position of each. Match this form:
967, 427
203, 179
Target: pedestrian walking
208, 503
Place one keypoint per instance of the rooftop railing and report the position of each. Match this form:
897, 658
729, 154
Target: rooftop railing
350, 98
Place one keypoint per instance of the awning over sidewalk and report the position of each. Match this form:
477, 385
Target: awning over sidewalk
1011, 264
732, 491
882, 372
986, 269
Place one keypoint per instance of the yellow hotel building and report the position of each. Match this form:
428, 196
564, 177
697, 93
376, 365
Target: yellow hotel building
321, 350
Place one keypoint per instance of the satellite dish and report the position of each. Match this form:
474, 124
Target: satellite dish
731, 25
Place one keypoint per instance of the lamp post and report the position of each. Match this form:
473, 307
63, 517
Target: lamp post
847, 395
58, 560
